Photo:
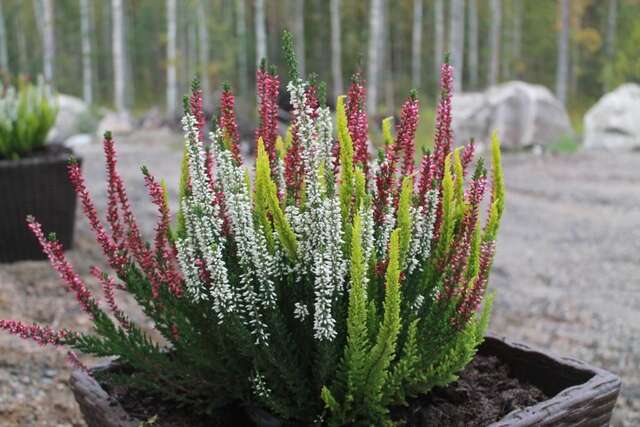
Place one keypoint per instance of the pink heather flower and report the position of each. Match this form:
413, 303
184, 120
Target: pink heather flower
75, 361
163, 250
467, 155
358, 122
195, 104
406, 133
444, 132
268, 90
426, 172
109, 247
112, 193
53, 249
108, 288
41, 335
228, 123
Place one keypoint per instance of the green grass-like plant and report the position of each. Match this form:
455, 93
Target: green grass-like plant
27, 113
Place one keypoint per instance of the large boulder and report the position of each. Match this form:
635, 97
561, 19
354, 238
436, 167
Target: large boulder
523, 114
72, 112
117, 123
614, 121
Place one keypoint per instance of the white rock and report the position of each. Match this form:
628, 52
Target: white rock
523, 114
116, 123
79, 140
68, 122
614, 121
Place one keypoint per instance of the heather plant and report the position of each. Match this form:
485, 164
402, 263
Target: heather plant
323, 287
26, 115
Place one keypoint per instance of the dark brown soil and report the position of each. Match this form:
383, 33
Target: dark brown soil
485, 392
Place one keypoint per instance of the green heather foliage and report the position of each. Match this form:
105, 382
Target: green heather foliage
325, 287
26, 115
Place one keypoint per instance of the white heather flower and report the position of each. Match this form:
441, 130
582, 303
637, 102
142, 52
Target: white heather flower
423, 224
258, 266
259, 386
388, 224
417, 304
366, 215
300, 311
204, 239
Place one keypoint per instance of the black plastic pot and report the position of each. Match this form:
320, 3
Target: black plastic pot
582, 395
37, 185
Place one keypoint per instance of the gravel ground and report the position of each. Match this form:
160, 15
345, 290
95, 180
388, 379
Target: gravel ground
567, 273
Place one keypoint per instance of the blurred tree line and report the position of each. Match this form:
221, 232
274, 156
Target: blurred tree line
133, 54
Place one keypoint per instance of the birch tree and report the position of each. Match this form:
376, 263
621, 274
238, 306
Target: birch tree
336, 48
85, 34
516, 41
261, 32
241, 34
203, 49
298, 31
416, 44
473, 44
456, 41
376, 20
494, 41
48, 41
562, 67
172, 89
438, 25
612, 21
4, 57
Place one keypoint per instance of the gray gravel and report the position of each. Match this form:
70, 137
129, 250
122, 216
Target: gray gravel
567, 273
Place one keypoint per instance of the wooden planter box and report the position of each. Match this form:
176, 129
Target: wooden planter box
37, 186
583, 395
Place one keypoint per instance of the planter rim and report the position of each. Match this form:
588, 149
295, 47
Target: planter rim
53, 153
601, 384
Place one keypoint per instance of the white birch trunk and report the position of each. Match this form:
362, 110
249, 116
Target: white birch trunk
386, 67
172, 88
336, 48
261, 33
612, 21
119, 66
473, 44
203, 44
494, 41
516, 47
4, 57
85, 33
456, 41
48, 41
375, 50
416, 45
298, 31
562, 70
241, 33
438, 25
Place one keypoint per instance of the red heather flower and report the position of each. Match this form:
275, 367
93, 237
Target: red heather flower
53, 249
426, 172
228, 123
467, 155
358, 122
195, 104
109, 247
113, 178
384, 188
163, 250
293, 168
75, 361
472, 297
268, 90
406, 133
311, 96
444, 132
41, 335
108, 288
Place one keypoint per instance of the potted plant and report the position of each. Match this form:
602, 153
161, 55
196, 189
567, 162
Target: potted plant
321, 289
32, 173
